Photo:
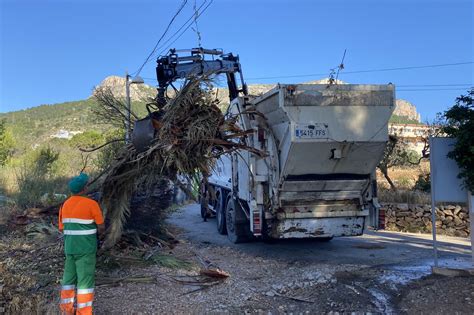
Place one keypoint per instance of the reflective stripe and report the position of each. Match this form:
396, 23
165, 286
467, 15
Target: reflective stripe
85, 291
81, 305
68, 287
80, 232
81, 221
67, 301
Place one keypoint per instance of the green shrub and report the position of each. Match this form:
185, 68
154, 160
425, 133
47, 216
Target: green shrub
6, 143
413, 157
88, 139
460, 125
404, 182
108, 153
39, 176
423, 183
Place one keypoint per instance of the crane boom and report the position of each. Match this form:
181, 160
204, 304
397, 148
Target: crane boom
172, 67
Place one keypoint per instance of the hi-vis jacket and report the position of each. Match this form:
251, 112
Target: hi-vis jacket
78, 217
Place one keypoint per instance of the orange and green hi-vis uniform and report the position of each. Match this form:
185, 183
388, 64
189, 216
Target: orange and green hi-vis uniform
78, 218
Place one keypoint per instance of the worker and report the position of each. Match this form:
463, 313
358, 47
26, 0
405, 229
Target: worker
79, 218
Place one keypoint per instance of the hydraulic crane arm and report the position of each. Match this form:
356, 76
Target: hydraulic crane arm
173, 67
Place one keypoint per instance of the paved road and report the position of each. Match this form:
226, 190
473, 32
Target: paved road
378, 273
372, 249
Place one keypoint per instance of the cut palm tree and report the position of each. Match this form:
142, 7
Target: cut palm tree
193, 133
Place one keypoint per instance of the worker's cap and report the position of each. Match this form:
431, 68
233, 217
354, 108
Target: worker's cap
77, 184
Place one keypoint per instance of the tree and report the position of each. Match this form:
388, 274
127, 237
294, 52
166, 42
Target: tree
110, 152
111, 110
37, 176
7, 143
460, 125
396, 154
88, 139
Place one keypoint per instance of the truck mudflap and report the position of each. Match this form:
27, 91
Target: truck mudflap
318, 227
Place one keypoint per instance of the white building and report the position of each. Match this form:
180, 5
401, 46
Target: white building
415, 135
65, 134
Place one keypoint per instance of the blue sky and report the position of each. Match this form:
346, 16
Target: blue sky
56, 51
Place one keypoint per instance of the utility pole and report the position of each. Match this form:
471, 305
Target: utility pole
127, 96
128, 120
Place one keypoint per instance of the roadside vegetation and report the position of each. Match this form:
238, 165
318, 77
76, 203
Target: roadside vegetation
35, 166
404, 175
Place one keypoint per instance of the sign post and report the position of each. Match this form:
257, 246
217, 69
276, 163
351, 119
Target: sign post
470, 199
446, 186
433, 202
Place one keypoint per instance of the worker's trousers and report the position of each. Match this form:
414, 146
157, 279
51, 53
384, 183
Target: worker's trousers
79, 273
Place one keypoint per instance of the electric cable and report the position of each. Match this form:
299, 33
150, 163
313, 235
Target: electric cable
366, 71
193, 16
183, 4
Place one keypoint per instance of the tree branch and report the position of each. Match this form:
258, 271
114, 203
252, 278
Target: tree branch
100, 147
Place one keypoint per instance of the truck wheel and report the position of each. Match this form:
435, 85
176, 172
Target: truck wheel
266, 233
238, 229
204, 201
325, 239
220, 211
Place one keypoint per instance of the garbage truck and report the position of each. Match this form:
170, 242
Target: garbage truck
318, 179
322, 144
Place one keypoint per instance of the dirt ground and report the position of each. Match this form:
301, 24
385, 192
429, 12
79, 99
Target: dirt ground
380, 272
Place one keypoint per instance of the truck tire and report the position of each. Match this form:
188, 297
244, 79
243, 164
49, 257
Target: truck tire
220, 211
325, 239
204, 202
266, 233
238, 228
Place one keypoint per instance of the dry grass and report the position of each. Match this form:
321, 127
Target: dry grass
30, 271
404, 179
8, 184
404, 196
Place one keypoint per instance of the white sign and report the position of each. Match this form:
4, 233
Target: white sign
445, 184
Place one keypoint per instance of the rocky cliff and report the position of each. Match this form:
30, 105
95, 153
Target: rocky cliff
144, 92
138, 92
406, 109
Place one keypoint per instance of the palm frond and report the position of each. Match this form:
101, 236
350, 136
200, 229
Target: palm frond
193, 134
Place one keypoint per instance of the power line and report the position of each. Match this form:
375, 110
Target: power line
367, 71
423, 85
179, 29
184, 31
198, 34
412, 67
449, 89
460, 86
183, 4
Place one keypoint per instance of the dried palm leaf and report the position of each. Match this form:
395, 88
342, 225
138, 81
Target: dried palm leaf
193, 133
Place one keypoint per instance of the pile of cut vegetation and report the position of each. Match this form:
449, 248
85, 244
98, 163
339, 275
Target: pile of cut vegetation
31, 260
190, 134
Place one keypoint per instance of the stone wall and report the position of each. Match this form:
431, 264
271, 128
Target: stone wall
452, 220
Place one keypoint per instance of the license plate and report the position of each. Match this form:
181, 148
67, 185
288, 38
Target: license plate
311, 131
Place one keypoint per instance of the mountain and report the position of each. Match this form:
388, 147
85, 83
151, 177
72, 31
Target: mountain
39, 124
143, 92
404, 108
138, 92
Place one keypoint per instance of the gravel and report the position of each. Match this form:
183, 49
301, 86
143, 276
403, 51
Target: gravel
259, 284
